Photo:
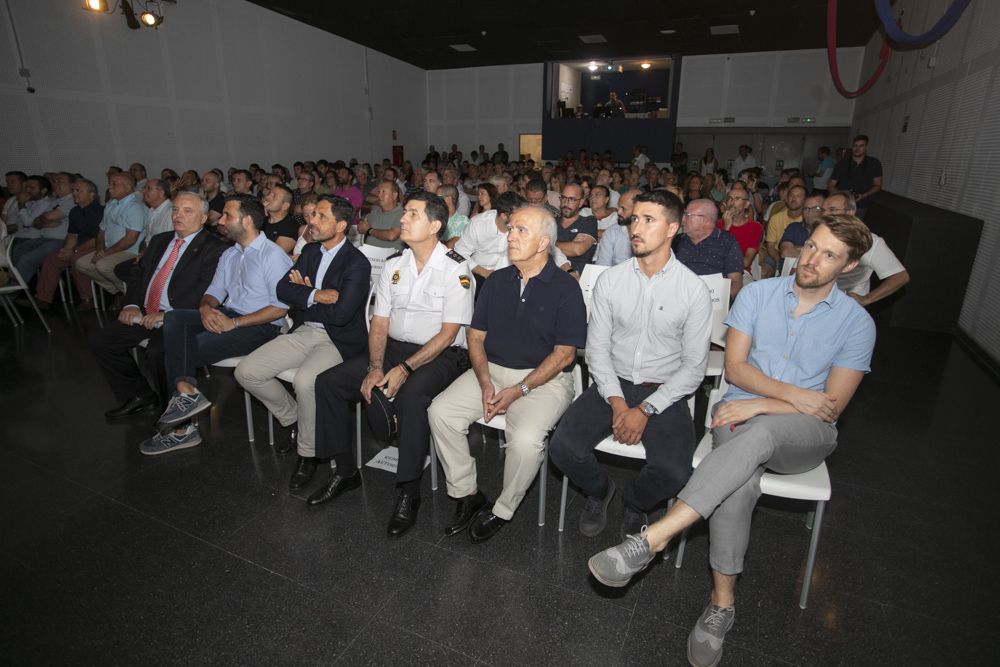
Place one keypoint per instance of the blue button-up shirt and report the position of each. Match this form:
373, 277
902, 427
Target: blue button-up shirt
124, 215
837, 332
524, 325
246, 278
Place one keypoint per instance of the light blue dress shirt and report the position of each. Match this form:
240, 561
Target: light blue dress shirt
837, 332
247, 278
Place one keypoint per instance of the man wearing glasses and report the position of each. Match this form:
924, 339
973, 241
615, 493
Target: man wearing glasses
576, 234
706, 249
796, 233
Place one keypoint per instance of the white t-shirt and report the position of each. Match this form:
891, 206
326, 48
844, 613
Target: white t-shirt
739, 164
879, 260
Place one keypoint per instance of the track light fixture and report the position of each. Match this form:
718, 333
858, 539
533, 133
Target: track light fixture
149, 14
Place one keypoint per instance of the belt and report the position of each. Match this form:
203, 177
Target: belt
649, 384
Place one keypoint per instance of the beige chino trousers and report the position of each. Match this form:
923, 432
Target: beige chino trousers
310, 350
529, 420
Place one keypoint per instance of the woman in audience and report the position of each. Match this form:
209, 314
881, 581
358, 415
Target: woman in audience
555, 188
486, 197
708, 163
692, 187
600, 208
618, 182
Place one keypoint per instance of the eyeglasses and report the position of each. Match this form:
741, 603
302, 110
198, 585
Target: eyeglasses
694, 215
833, 211
817, 209
569, 199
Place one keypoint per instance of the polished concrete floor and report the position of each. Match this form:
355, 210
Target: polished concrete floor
204, 557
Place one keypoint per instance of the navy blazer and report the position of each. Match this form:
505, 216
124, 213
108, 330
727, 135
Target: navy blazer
189, 279
350, 274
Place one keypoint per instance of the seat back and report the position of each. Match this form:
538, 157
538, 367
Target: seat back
788, 264
587, 281
719, 288
370, 305
377, 257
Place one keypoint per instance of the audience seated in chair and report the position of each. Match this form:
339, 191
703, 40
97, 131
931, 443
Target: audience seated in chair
238, 313
528, 323
326, 291
174, 272
706, 249
647, 348
780, 413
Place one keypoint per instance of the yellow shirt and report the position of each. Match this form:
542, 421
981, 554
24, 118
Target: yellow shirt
777, 224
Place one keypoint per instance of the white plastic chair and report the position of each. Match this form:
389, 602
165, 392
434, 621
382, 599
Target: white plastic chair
813, 485
499, 423
18, 286
587, 281
719, 288
233, 362
788, 264
377, 257
609, 446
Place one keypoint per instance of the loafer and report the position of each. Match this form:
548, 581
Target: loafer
132, 406
334, 487
287, 444
304, 469
465, 510
485, 525
404, 515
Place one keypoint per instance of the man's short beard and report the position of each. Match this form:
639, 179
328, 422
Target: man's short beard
644, 253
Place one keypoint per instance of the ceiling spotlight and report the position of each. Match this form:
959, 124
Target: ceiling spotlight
592, 66
96, 5
646, 65
668, 31
610, 68
150, 19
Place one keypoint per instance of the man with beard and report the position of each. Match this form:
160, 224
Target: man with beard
647, 347
796, 351
577, 234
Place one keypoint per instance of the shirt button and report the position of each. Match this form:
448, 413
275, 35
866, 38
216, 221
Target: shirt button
522, 300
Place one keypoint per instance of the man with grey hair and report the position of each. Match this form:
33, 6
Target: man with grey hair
879, 259
706, 249
449, 176
528, 323
118, 239
174, 272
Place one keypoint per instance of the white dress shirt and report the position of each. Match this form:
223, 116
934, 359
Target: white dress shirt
649, 330
160, 219
164, 295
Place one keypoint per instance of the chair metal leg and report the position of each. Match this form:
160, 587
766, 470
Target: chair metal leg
680, 549
68, 275
809, 519
10, 311
246, 400
434, 467
358, 434
543, 480
811, 558
270, 428
562, 505
62, 290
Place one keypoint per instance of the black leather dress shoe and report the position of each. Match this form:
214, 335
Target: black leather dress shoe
464, 511
304, 469
289, 442
335, 487
485, 525
132, 406
405, 514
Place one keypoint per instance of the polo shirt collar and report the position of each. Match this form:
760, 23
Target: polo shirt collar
831, 299
545, 275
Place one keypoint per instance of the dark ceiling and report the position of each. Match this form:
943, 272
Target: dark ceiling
513, 31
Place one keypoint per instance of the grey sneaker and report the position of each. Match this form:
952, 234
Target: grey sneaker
172, 441
633, 522
705, 640
182, 407
594, 516
616, 566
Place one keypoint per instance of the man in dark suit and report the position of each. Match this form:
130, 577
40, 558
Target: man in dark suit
327, 291
174, 272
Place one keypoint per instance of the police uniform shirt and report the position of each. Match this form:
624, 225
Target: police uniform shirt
417, 304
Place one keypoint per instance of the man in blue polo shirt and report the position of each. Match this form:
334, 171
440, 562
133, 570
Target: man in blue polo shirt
528, 323
796, 351
706, 249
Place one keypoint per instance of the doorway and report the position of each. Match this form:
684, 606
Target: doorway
530, 147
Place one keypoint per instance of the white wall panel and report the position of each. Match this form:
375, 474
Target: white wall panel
953, 129
765, 89
222, 82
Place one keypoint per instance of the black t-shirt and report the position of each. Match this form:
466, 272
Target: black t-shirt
217, 203
585, 224
287, 227
857, 178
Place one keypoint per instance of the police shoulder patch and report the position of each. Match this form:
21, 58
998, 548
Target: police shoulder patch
455, 256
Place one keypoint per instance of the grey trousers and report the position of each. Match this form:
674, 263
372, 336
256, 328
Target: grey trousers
726, 485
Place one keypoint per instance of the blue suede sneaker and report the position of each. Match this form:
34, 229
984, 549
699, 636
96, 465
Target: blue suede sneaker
163, 443
183, 407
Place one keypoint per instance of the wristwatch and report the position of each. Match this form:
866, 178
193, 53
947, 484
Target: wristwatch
525, 390
647, 409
